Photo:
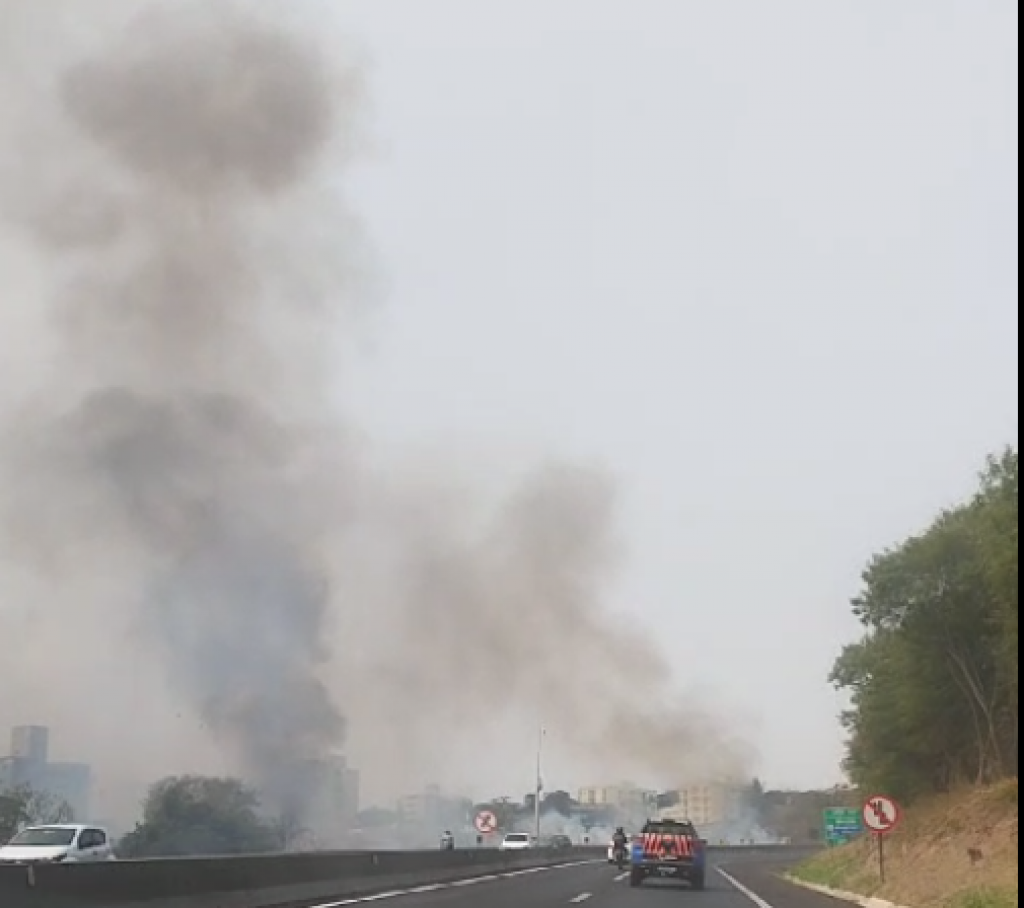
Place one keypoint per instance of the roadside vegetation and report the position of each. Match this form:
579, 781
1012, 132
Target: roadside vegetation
192, 815
934, 679
22, 806
933, 717
955, 851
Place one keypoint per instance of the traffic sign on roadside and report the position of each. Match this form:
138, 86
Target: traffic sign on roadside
486, 823
842, 825
881, 815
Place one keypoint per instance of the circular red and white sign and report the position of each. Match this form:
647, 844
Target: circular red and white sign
881, 814
486, 823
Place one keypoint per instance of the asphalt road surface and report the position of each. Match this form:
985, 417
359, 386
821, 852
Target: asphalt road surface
744, 883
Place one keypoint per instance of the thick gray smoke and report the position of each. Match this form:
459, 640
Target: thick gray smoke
183, 420
503, 610
177, 484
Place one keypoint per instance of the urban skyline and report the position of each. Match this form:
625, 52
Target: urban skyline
331, 785
28, 765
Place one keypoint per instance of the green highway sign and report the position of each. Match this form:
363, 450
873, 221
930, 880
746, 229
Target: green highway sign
842, 825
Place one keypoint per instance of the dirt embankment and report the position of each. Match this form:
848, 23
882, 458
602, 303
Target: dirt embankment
958, 851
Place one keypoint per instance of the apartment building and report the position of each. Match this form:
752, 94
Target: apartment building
705, 805
626, 799
433, 810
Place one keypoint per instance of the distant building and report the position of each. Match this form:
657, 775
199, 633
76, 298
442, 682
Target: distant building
621, 797
14, 773
29, 766
434, 812
72, 783
705, 805
352, 798
31, 743
331, 793
624, 804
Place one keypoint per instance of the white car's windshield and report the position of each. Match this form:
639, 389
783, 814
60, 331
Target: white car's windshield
517, 838
45, 837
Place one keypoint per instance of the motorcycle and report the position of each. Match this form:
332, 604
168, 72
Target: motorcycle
620, 857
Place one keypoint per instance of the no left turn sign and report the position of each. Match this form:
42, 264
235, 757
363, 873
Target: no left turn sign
881, 815
486, 823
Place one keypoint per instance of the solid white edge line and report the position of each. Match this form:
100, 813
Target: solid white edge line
743, 890
839, 895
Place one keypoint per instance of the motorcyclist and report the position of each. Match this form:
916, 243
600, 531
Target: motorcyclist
619, 842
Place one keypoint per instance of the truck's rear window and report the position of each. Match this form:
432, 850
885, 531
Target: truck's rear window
670, 828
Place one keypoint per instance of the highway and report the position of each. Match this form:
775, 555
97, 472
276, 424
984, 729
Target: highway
734, 883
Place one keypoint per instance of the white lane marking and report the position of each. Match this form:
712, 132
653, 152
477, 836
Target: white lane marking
456, 884
743, 890
580, 899
622, 877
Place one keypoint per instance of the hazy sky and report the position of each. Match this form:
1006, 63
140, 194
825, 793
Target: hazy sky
756, 260
759, 259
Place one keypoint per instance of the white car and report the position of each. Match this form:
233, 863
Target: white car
70, 844
516, 841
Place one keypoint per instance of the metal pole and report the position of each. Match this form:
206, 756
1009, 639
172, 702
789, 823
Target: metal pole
539, 788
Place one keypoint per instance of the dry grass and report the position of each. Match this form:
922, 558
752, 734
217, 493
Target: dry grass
953, 852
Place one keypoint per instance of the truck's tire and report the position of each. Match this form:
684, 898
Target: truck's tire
636, 878
699, 882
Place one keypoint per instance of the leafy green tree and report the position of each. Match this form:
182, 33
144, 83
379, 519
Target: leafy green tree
998, 502
195, 815
933, 683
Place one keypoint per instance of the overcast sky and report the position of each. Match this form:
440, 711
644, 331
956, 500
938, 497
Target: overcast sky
758, 259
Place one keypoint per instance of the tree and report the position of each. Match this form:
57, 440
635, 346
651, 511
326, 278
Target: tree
934, 680
998, 501
24, 806
12, 815
195, 816
668, 799
560, 802
752, 800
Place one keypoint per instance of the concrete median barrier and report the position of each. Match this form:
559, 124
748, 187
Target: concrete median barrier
269, 881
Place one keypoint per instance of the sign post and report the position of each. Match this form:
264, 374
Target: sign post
882, 816
842, 825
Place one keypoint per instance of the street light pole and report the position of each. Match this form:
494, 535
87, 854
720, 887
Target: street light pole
538, 788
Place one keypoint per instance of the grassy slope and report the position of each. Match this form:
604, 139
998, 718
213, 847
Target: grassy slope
930, 864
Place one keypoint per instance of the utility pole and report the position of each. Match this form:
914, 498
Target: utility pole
539, 787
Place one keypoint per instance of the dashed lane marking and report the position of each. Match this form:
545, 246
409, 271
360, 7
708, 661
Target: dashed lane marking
456, 884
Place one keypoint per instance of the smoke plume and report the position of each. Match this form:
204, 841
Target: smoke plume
187, 523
